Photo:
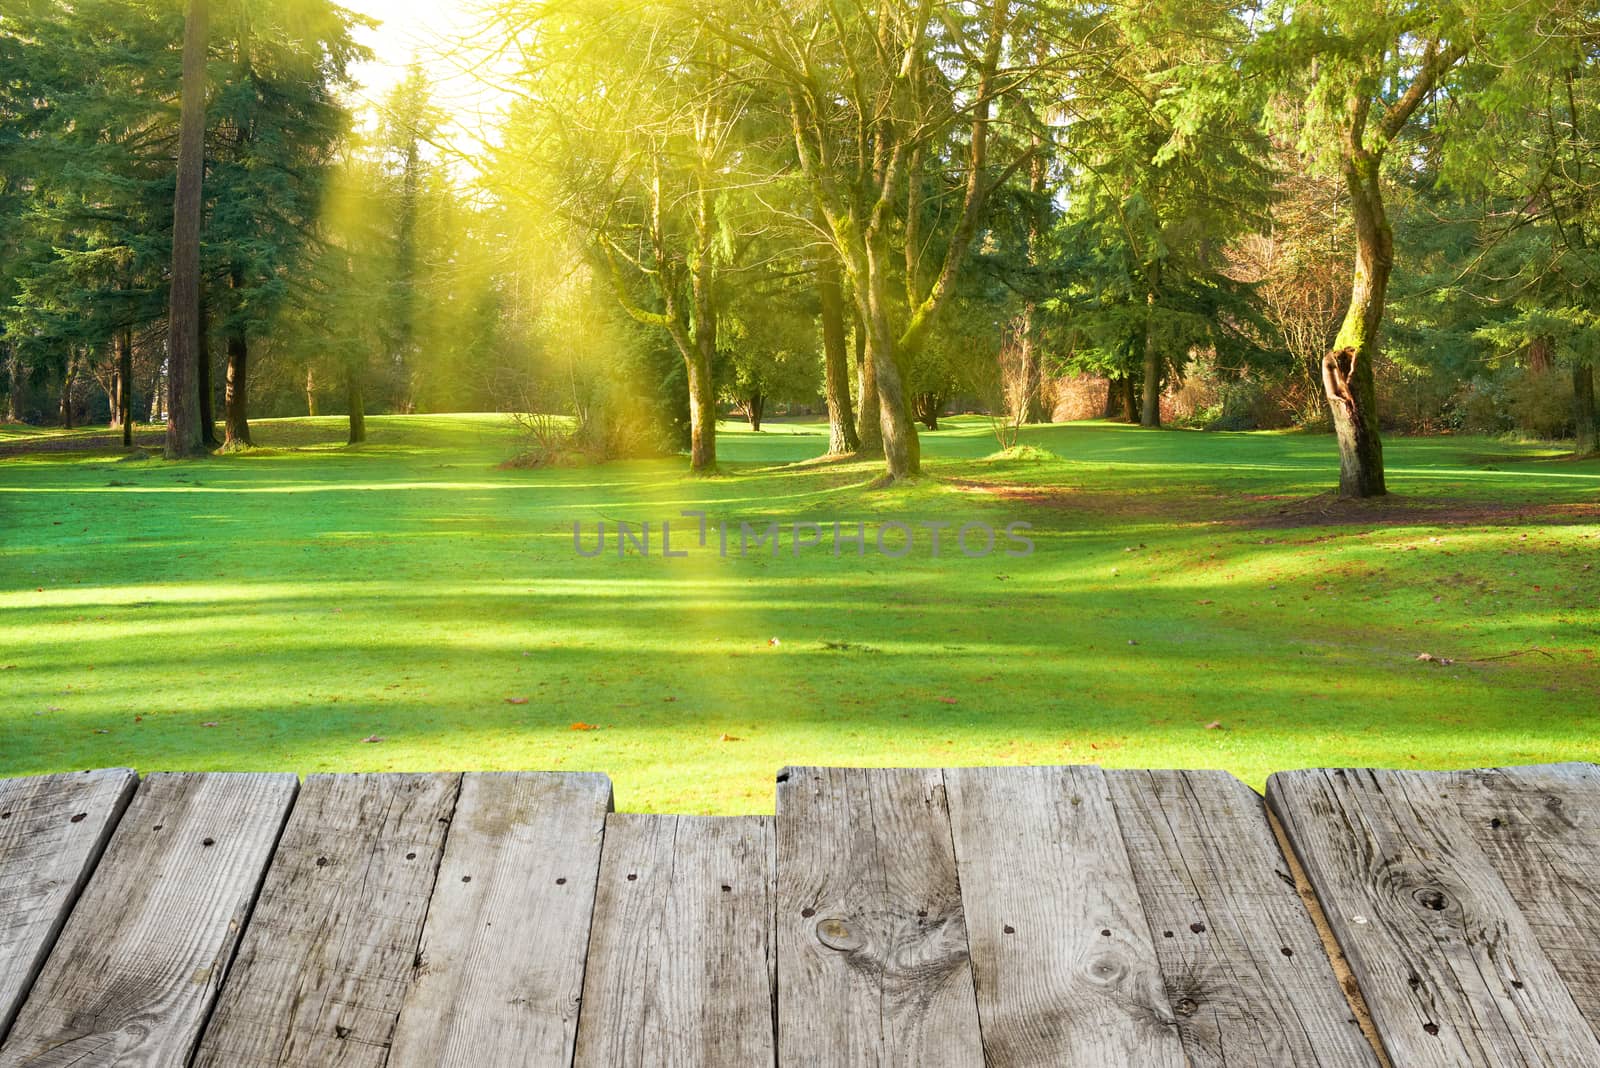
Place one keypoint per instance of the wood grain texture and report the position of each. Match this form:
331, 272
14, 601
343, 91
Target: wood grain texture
500, 972
678, 953
1540, 828
872, 943
1245, 970
1066, 972
143, 954
52, 831
1450, 968
323, 967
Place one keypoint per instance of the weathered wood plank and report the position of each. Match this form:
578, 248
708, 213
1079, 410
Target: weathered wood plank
872, 943
1245, 970
323, 966
678, 953
140, 960
500, 972
1450, 968
1540, 828
1065, 969
52, 831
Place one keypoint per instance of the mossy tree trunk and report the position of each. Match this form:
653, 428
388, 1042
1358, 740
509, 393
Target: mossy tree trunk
835, 363
902, 452
701, 355
1347, 377
869, 437
16, 386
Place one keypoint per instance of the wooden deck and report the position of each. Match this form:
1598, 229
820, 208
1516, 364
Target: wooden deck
924, 918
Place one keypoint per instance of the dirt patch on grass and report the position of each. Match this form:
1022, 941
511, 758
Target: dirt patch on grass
1286, 512
1076, 500
1330, 510
89, 443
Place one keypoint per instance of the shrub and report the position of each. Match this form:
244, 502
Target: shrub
1540, 403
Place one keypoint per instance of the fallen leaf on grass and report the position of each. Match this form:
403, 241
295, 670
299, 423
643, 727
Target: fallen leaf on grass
516, 700
1214, 725
373, 738
209, 723
730, 738
1203, 602
582, 726
101, 730
1442, 661
948, 700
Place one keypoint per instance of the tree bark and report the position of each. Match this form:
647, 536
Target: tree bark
114, 390
702, 414
1347, 378
1585, 418
702, 389
755, 405
236, 402
902, 453
835, 364
869, 436
208, 396
311, 391
69, 378
927, 408
183, 426
16, 386
1151, 416
1034, 409
1108, 410
356, 404
1539, 350
125, 385
1127, 399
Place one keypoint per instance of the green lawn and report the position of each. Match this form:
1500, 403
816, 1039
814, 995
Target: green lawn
275, 610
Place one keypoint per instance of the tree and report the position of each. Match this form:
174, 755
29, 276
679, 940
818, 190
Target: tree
890, 109
842, 436
1168, 166
183, 426
1364, 72
641, 138
275, 123
1298, 266
87, 175
1527, 143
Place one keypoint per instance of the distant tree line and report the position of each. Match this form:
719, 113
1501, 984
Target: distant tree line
1339, 213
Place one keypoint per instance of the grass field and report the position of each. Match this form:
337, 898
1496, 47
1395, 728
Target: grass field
1194, 600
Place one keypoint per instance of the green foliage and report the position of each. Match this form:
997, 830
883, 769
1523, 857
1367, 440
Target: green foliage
1166, 167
